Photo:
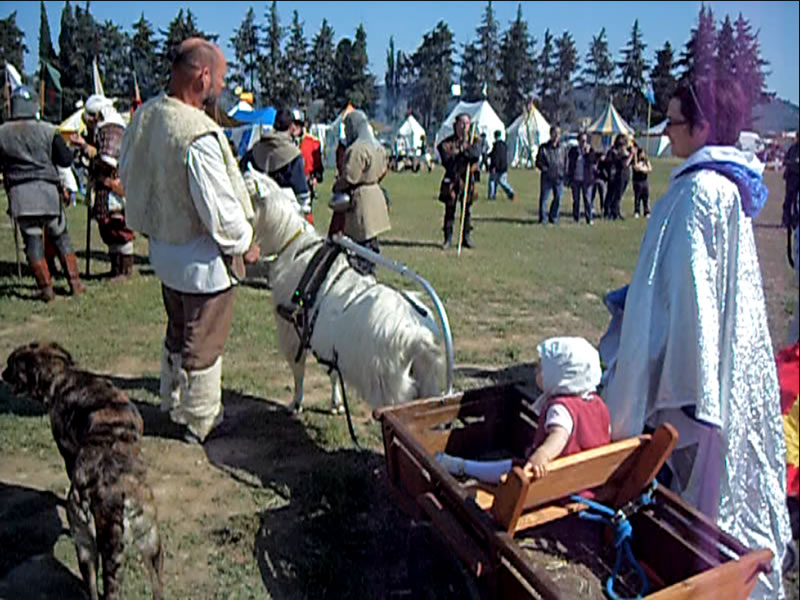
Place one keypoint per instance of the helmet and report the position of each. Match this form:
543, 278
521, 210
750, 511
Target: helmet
96, 103
23, 104
298, 116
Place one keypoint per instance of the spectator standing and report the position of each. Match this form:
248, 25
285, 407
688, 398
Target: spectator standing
498, 169
551, 160
641, 188
581, 165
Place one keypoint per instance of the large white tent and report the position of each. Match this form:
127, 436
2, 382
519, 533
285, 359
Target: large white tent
481, 113
335, 133
655, 140
409, 135
524, 136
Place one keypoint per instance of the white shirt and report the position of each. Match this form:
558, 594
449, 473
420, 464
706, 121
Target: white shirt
197, 266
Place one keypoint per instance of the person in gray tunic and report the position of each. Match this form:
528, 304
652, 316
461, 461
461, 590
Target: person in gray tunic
30, 151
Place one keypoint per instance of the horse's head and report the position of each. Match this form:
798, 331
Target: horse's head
276, 211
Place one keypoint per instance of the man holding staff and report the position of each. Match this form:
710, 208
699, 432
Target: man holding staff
460, 154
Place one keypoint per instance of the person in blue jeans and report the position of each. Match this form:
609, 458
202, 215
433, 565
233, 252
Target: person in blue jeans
498, 169
551, 160
581, 161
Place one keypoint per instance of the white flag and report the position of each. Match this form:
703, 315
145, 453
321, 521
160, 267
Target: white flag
13, 77
98, 85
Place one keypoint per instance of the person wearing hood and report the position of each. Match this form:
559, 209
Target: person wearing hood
572, 417
30, 152
276, 155
363, 167
105, 129
694, 347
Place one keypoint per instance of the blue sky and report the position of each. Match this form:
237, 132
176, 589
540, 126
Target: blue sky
407, 21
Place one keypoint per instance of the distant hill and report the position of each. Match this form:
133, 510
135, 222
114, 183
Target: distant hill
775, 116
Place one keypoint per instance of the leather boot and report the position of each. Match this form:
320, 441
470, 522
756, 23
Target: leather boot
70, 264
448, 236
43, 280
124, 267
467, 241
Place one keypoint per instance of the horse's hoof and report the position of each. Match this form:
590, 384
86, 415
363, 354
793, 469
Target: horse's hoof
337, 410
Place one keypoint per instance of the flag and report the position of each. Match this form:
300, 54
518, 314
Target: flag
137, 95
98, 85
13, 77
485, 90
51, 92
649, 93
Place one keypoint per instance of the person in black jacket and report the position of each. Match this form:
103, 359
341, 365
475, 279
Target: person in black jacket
581, 161
551, 160
498, 169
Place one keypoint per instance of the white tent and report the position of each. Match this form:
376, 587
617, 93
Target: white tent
335, 133
481, 113
750, 141
524, 136
409, 135
655, 140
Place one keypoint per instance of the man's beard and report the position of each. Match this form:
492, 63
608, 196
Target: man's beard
210, 103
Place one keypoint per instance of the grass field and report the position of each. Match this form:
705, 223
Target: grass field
278, 506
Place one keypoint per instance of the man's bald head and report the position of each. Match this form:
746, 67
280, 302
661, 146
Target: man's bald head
197, 71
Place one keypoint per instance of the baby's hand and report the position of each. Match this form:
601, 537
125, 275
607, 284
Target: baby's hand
535, 471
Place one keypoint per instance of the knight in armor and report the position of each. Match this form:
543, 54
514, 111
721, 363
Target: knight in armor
30, 151
458, 153
105, 129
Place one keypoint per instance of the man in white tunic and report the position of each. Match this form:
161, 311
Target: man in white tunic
694, 349
185, 193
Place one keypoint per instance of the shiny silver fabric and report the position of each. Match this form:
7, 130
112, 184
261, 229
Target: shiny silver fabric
694, 334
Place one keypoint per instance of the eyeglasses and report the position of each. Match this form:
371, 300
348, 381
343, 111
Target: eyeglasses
675, 123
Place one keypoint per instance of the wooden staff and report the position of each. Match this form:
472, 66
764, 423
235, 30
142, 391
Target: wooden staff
89, 203
466, 192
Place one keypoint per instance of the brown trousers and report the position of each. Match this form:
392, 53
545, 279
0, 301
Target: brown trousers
197, 325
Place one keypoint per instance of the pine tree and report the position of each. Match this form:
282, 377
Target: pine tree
431, 75
71, 60
296, 92
113, 60
725, 51
246, 50
697, 58
599, 69
179, 29
547, 77
633, 67
270, 75
488, 57
471, 82
566, 65
749, 66
145, 58
321, 69
517, 67
12, 51
46, 51
390, 82
363, 91
663, 79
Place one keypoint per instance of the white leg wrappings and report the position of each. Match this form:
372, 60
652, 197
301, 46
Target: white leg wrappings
201, 399
170, 383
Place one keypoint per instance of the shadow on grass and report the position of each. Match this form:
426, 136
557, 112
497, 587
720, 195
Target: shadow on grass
410, 243
515, 220
29, 528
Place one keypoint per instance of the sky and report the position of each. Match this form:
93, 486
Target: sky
408, 21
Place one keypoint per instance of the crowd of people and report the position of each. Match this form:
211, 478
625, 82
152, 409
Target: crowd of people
692, 349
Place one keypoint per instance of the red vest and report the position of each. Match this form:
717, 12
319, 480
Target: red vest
310, 149
590, 423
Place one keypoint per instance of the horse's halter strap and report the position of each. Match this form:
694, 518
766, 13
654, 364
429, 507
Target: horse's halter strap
295, 235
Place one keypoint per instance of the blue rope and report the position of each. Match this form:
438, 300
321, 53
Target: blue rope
623, 532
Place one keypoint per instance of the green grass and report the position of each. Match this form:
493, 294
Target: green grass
286, 507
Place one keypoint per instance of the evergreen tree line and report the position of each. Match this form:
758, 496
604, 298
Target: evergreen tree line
508, 67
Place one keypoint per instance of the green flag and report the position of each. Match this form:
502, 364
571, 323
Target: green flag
51, 100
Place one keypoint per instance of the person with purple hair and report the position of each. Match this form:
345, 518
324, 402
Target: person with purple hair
694, 347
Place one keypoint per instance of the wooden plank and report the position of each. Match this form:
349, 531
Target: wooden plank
411, 475
567, 475
732, 581
649, 461
465, 547
510, 499
537, 578
549, 513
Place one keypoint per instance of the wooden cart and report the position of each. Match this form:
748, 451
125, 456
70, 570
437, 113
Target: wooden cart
684, 554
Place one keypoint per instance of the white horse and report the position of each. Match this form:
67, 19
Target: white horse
383, 346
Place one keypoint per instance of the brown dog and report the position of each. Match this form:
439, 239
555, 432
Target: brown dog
97, 430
